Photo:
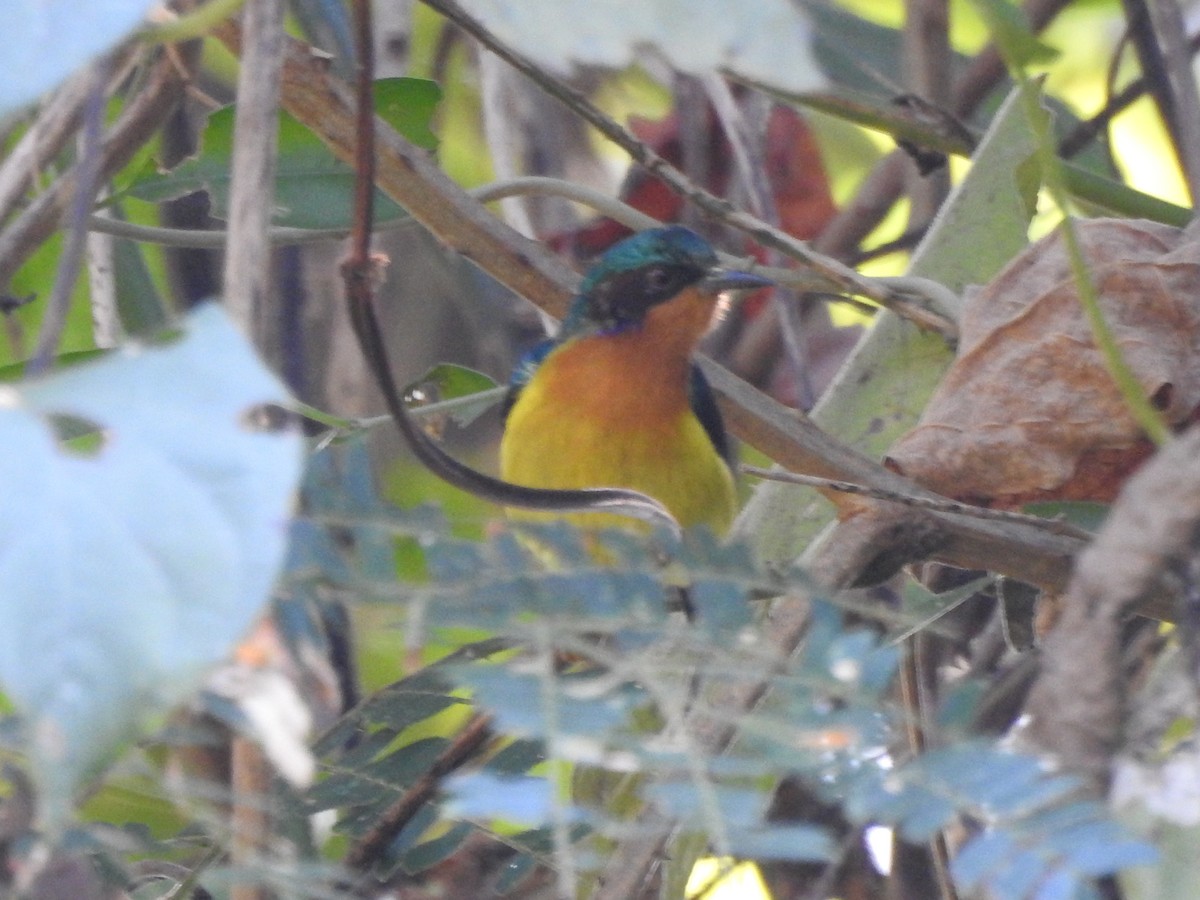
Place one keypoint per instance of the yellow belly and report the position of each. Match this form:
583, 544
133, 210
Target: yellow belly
573, 427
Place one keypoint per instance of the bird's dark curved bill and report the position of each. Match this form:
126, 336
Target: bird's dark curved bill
719, 280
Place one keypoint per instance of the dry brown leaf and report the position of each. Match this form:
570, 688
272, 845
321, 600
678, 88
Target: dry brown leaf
1028, 411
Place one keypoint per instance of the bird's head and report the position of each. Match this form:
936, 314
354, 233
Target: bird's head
646, 270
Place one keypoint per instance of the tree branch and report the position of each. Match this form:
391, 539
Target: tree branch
1170, 32
139, 120
246, 284
56, 122
252, 190
70, 261
1077, 705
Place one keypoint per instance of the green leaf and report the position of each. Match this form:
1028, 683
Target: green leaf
46, 40
141, 308
430, 853
518, 757
128, 570
313, 188
985, 221
16, 371
32, 280
1011, 33
408, 105
445, 389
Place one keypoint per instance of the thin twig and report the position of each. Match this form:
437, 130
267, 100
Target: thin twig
746, 145
1086, 131
927, 74
749, 154
1139, 33
70, 260
880, 190
1054, 526
252, 191
987, 69
246, 282
196, 24
541, 185
464, 746
140, 118
1169, 30
55, 123
251, 815
359, 261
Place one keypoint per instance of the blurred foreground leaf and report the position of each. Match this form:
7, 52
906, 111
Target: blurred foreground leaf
140, 534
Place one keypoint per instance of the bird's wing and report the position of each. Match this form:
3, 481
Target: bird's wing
704, 405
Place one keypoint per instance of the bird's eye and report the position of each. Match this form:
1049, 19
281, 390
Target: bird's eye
658, 278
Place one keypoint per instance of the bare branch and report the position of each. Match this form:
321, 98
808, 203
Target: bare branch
140, 118
246, 285
409, 176
927, 70
70, 261
1077, 706
56, 122
252, 192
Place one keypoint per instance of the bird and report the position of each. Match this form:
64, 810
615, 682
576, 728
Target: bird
616, 400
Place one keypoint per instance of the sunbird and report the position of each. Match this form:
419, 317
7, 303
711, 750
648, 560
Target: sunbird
615, 399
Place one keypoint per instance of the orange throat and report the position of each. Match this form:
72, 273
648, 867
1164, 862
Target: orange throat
612, 410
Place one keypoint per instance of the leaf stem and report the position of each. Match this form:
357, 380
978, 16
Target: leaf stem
196, 24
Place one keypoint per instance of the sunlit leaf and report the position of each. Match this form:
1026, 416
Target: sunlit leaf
1011, 32
408, 105
455, 388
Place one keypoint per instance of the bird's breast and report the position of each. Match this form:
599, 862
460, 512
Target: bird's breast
609, 411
